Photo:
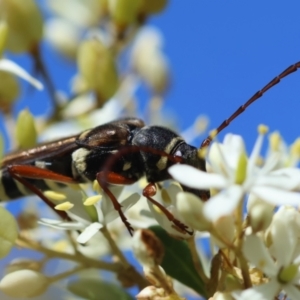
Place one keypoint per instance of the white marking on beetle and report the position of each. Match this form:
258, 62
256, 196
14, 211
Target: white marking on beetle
42, 164
126, 166
79, 161
162, 163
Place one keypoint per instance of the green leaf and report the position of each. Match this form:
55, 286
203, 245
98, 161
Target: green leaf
8, 231
178, 262
94, 289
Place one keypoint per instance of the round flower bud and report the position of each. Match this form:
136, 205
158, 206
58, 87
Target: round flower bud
190, 208
24, 284
21, 264
8, 231
26, 134
225, 229
124, 12
63, 36
97, 67
3, 35
9, 91
149, 61
260, 213
25, 24
153, 6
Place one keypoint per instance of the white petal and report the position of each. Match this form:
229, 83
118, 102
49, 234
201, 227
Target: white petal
276, 196
272, 162
190, 209
279, 181
89, 232
255, 153
62, 225
165, 223
127, 203
11, 67
223, 203
261, 292
284, 240
233, 148
257, 254
292, 291
197, 179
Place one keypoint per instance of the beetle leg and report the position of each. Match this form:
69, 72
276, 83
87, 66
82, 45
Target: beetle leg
149, 191
105, 178
21, 172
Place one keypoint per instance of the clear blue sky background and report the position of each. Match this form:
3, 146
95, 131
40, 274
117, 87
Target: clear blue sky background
221, 53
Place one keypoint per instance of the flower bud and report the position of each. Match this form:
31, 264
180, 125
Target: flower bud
63, 36
26, 134
153, 6
147, 248
8, 231
9, 91
97, 67
190, 209
260, 213
23, 263
149, 61
24, 284
124, 12
25, 24
3, 36
151, 292
225, 229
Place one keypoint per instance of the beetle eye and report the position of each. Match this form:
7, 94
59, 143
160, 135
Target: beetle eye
178, 153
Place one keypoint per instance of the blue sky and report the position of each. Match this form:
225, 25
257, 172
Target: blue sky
222, 52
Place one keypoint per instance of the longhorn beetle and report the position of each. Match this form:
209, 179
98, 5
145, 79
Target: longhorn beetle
119, 152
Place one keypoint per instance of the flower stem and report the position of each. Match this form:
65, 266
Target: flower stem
79, 258
196, 260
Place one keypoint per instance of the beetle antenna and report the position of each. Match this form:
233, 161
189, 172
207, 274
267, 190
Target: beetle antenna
258, 94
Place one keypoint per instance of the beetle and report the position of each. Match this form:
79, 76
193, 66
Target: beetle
119, 152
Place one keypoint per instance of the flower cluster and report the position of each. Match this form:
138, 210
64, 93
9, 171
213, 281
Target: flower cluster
261, 244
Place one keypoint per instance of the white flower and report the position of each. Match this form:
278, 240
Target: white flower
233, 175
167, 197
280, 263
91, 218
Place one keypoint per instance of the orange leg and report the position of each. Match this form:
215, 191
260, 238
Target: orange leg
149, 191
23, 172
105, 178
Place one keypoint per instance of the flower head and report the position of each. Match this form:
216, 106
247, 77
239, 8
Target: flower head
234, 175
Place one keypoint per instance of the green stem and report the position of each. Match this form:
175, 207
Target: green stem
196, 259
78, 258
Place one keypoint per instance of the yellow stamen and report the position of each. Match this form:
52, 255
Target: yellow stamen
64, 206
56, 196
92, 200
241, 170
213, 133
202, 152
275, 140
262, 129
295, 148
96, 187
